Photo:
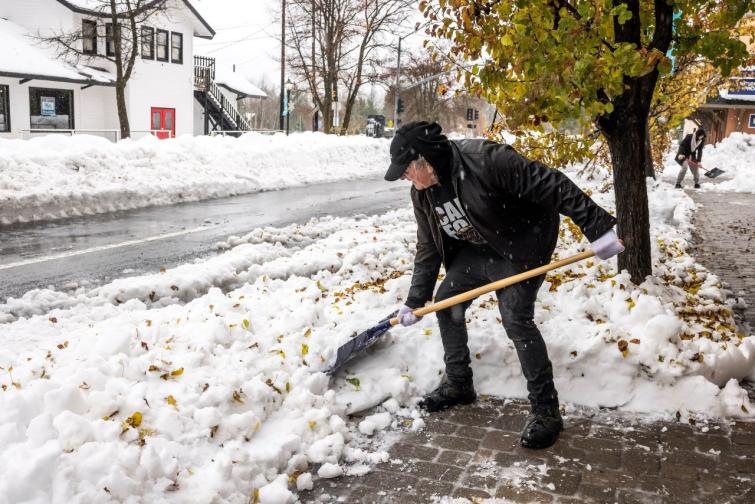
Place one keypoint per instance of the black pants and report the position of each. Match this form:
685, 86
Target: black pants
471, 268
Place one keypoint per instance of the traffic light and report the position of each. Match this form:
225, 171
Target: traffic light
400, 108
476, 114
470, 113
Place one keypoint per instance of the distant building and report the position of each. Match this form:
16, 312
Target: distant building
40, 93
732, 110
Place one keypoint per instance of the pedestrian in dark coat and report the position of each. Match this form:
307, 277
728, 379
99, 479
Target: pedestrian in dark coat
689, 155
485, 212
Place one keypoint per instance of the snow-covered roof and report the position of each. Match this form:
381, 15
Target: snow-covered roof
24, 58
237, 83
741, 87
202, 28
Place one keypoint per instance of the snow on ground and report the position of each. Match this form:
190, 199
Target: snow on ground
734, 155
54, 177
203, 381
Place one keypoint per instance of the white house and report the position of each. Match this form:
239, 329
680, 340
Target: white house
40, 92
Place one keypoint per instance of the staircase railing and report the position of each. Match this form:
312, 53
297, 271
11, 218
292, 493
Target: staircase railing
204, 80
204, 72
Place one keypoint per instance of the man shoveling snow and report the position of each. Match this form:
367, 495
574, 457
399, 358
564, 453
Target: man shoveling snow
485, 212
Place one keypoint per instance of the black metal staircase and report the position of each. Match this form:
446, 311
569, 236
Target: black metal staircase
220, 113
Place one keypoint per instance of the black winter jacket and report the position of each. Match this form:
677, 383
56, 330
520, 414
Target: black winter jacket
685, 149
514, 203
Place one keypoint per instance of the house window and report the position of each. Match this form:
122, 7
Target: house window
51, 108
162, 45
752, 121
176, 47
89, 36
148, 43
109, 40
4, 109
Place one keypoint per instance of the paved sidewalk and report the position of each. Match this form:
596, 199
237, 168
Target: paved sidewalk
724, 242
601, 457
473, 452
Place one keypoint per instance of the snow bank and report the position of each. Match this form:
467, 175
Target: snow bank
203, 381
735, 155
54, 177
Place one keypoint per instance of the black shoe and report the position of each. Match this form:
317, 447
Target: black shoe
448, 395
543, 426
678, 186
697, 186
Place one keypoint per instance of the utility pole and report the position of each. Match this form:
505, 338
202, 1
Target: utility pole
398, 74
398, 89
283, 62
314, 67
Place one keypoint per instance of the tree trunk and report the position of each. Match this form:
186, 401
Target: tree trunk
649, 170
626, 136
120, 100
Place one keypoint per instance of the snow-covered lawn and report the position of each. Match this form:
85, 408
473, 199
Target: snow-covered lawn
203, 381
54, 177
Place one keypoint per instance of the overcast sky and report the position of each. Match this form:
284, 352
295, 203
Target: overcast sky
248, 35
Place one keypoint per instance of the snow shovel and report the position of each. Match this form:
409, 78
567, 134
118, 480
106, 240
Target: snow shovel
364, 340
715, 172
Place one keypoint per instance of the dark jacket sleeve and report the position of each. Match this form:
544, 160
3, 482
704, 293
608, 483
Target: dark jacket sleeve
685, 146
427, 260
535, 182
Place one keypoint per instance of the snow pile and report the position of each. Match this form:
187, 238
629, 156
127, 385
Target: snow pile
734, 155
54, 177
203, 381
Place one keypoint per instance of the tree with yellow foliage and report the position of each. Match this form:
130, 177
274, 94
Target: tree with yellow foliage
592, 62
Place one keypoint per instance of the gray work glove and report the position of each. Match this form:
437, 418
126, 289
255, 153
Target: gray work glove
406, 317
607, 245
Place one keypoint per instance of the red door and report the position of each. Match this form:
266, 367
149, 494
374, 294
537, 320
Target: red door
164, 119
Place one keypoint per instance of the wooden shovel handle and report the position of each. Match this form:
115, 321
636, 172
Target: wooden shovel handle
494, 286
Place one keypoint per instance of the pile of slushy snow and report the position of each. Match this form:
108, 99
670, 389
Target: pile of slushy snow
734, 155
204, 382
54, 177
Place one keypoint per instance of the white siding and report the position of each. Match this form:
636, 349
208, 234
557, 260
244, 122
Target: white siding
153, 83
93, 108
165, 84
198, 118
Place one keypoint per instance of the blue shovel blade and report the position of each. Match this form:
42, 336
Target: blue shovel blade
359, 344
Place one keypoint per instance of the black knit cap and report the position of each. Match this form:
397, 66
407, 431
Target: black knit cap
418, 138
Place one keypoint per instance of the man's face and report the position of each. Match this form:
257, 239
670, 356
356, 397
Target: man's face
421, 174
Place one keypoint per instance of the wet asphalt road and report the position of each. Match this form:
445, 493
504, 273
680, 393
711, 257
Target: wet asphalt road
96, 249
